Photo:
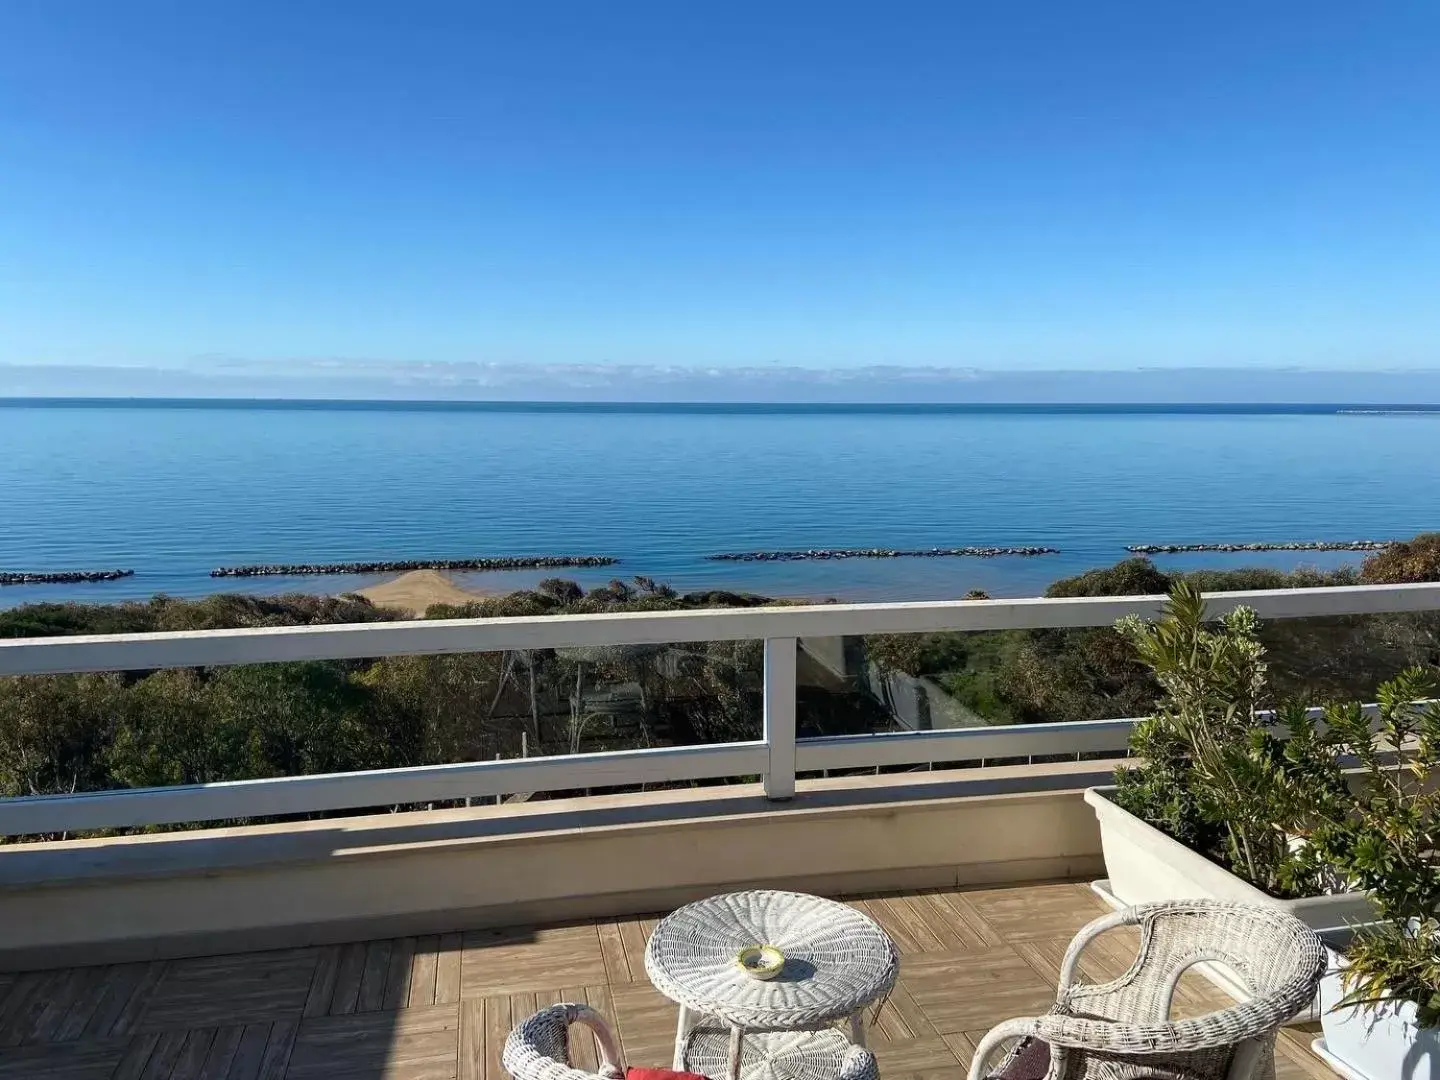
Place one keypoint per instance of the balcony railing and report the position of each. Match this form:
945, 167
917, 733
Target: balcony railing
777, 756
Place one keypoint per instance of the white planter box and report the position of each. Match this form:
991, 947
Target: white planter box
1376, 1042
1146, 866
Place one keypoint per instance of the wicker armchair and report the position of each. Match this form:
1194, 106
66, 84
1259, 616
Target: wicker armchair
818, 1053
539, 1049
1121, 1030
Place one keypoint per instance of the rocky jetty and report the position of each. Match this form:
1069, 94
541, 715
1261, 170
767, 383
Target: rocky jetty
879, 553
517, 562
1294, 545
62, 577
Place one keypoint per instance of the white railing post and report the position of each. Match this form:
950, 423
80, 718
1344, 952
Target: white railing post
780, 717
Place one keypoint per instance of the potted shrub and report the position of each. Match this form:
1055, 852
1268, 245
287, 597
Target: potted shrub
1381, 998
1334, 817
1216, 803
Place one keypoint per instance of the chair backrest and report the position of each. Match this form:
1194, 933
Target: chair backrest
539, 1047
1277, 957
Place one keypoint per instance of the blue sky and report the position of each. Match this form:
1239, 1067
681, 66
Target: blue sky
1002, 186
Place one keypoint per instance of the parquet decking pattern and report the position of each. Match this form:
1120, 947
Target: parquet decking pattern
439, 1007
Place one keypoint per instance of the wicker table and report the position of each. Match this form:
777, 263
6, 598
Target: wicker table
837, 962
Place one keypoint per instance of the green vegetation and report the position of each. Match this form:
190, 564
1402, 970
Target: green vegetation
70, 733
1040, 676
94, 732
1296, 804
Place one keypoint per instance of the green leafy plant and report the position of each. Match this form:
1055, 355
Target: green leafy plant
1293, 802
1374, 824
1395, 961
1212, 772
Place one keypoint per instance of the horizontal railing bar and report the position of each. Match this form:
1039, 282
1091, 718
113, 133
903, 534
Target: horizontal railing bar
134, 807
960, 744
131, 652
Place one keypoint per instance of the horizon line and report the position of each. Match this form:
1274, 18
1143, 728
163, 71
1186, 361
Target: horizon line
643, 405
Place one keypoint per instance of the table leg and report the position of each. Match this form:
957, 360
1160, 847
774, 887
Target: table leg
857, 1027
734, 1063
682, 1033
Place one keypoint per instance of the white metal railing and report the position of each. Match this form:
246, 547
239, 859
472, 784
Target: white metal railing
777, 756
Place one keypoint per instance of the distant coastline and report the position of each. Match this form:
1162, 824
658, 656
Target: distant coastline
739, 408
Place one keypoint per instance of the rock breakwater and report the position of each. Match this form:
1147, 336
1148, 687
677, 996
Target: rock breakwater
518, 562
879, 553
1294, 545
62, 577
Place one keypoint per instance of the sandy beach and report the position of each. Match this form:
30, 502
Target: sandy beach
417, 590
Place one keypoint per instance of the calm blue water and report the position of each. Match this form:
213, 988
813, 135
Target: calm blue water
173, 491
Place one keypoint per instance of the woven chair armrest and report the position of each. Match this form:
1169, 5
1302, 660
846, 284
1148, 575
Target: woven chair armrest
1223, 1027
1086, 936
995, 1038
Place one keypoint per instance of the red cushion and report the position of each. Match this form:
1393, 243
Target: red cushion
632, 1073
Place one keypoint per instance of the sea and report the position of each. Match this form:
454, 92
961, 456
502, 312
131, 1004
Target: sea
172, 489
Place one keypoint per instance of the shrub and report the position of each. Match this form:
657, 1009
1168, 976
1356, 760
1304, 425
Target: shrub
1414, 560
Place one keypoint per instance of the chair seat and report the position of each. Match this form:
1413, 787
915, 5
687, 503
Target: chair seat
811, 1054
1030, 1060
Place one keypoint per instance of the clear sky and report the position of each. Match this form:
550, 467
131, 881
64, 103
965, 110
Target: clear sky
831, 184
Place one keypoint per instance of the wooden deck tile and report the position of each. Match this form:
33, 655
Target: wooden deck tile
228, 990
346, 996
250, 1052
86, 1004
612, 949
966, 991
193, 1055
497, 1028
1037, 911
94, 1060
31, 995
397, 978
322, 981
372, 982
119, 986
136, 1055
930, 1058
901, 1013
645, 1021
968, 922
635, 935
63, 993
16, 1002
447, 969
222, 1053
470, 1064
127, 1020
885, 915
399, 1045
913, 918
276, 1062
962, 1044
164, 1056
941, 920
496, 963
422, 971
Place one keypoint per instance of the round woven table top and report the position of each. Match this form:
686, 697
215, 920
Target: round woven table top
837, 960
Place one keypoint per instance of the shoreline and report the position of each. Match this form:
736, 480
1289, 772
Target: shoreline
416, 590
848, 580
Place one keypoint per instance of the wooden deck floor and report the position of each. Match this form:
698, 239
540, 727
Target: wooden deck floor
438, 1008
